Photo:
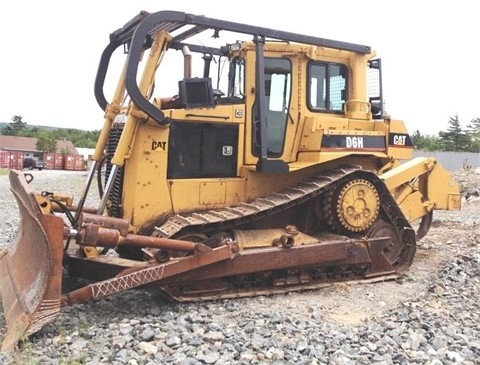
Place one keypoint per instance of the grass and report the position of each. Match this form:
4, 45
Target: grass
4, 172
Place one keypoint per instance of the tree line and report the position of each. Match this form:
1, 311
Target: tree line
48, 136
455, 138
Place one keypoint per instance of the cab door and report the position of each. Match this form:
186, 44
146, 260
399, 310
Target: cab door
279, 104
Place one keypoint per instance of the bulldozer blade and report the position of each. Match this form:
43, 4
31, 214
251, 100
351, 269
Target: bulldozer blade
30, 268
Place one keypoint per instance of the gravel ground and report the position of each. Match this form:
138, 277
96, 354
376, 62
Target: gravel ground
430, 316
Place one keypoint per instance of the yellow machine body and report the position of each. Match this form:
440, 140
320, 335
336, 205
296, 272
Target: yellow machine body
279, 172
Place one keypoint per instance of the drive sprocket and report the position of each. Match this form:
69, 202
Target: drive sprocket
355, 206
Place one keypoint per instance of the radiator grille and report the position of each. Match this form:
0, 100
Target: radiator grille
114, 206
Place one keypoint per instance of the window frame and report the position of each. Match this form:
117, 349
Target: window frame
327, 108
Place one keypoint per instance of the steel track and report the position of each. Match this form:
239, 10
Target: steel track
304, 278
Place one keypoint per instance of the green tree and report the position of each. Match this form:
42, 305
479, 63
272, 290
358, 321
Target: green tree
16, 127
79, 138
455, 138
418, 140
46, 144
49, 135
473, 131
425, 142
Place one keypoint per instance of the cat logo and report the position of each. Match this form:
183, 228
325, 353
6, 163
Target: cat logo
162, 145
399, 140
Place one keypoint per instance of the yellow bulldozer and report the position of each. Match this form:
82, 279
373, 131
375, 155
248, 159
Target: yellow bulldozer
273, 169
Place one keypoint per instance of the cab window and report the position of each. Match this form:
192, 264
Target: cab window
236, 87
327, 86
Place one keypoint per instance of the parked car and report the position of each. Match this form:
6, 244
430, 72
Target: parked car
33, 163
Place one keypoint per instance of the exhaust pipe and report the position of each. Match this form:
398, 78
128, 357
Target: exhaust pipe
187, 65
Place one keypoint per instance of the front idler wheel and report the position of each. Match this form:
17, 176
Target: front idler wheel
383, 229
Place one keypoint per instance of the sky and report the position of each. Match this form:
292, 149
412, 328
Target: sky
429, 51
